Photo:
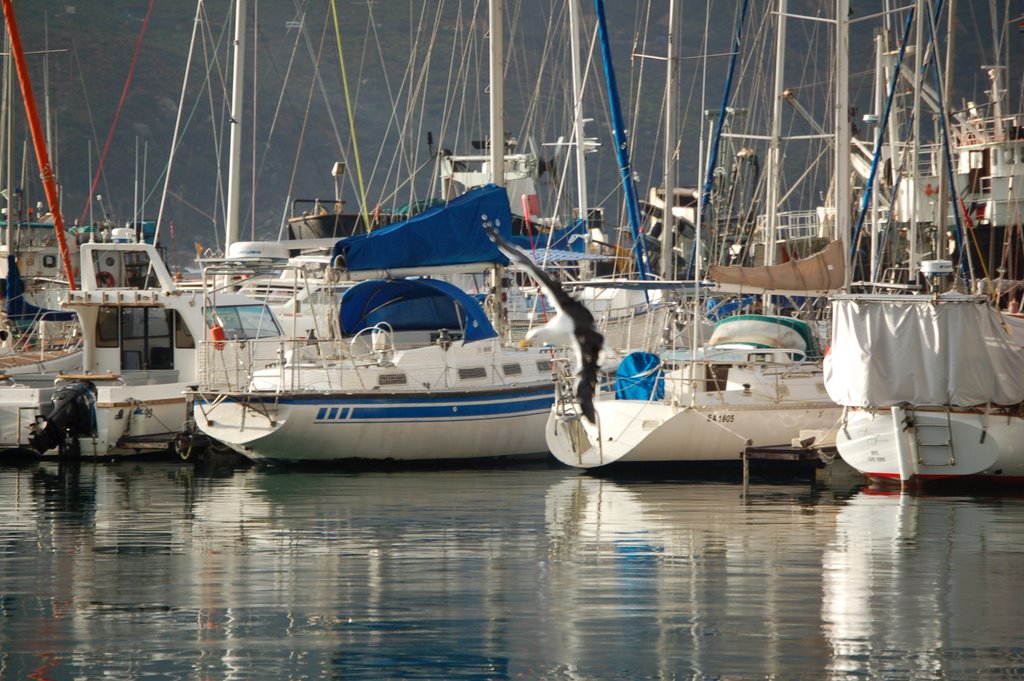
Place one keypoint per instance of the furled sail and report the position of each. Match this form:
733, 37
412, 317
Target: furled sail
820, 273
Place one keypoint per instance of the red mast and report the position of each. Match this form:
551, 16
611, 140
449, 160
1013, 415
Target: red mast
38, 141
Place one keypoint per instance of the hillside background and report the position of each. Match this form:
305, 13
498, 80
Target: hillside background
413, 68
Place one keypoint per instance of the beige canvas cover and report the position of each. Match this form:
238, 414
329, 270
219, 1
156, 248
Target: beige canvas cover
822, 272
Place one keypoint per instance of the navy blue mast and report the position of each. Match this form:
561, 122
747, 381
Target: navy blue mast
621, 144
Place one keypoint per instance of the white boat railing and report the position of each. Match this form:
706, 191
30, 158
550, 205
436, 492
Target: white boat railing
980, 130
367, 361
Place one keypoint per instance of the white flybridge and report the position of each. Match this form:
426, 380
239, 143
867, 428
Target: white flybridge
140, 338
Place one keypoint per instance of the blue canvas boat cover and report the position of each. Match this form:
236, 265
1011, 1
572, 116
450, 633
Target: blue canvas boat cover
12, 289
639, 377
413, 305
449, 234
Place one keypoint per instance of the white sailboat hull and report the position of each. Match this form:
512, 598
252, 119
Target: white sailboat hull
950, 351
639, 431
900, 445
411, 427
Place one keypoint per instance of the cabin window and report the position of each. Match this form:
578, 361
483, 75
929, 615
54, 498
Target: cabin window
123, 269
146, 338
1009, 156
245, 322
419, 314
182, 336
512, 369
107, 328
543, 365
472, 372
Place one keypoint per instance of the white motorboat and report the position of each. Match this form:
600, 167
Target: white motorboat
139, 338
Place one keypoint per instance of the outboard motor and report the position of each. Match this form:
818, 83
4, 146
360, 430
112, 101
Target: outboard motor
73, 414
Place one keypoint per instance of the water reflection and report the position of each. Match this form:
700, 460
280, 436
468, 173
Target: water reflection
925, 586
155, 570
168, 571
715, 584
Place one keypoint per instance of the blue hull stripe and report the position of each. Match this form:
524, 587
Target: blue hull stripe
416, 418
391, 408
435, 411
331, 400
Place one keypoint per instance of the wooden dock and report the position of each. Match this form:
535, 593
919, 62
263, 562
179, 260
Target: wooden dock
811, 457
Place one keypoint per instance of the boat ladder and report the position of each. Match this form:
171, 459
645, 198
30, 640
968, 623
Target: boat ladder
565, 382
934, 441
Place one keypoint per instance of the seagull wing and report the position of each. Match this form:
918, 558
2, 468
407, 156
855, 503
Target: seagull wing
586, 337
558, 295
590, 341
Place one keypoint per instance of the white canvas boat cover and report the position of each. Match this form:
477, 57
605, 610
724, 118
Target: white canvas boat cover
822, 272
916, 350
1015, 323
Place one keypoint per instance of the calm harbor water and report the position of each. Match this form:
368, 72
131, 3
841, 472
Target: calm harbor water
168, 571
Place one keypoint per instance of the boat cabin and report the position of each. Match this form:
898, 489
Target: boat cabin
35, 245
134, 318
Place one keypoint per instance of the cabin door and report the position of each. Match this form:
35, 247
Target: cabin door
146, 338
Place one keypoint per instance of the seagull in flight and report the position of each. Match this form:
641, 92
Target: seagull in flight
572, 325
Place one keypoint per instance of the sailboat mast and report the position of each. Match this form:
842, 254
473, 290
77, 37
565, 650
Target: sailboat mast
621, 143
577, 96
8, 143
497, 99
38, 141
496, 15
880, 90
235, 149
842, 125
942, 203
177, 126
668, 218
913, 187
775, 143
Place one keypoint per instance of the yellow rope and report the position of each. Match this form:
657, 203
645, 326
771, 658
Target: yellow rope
351, 120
